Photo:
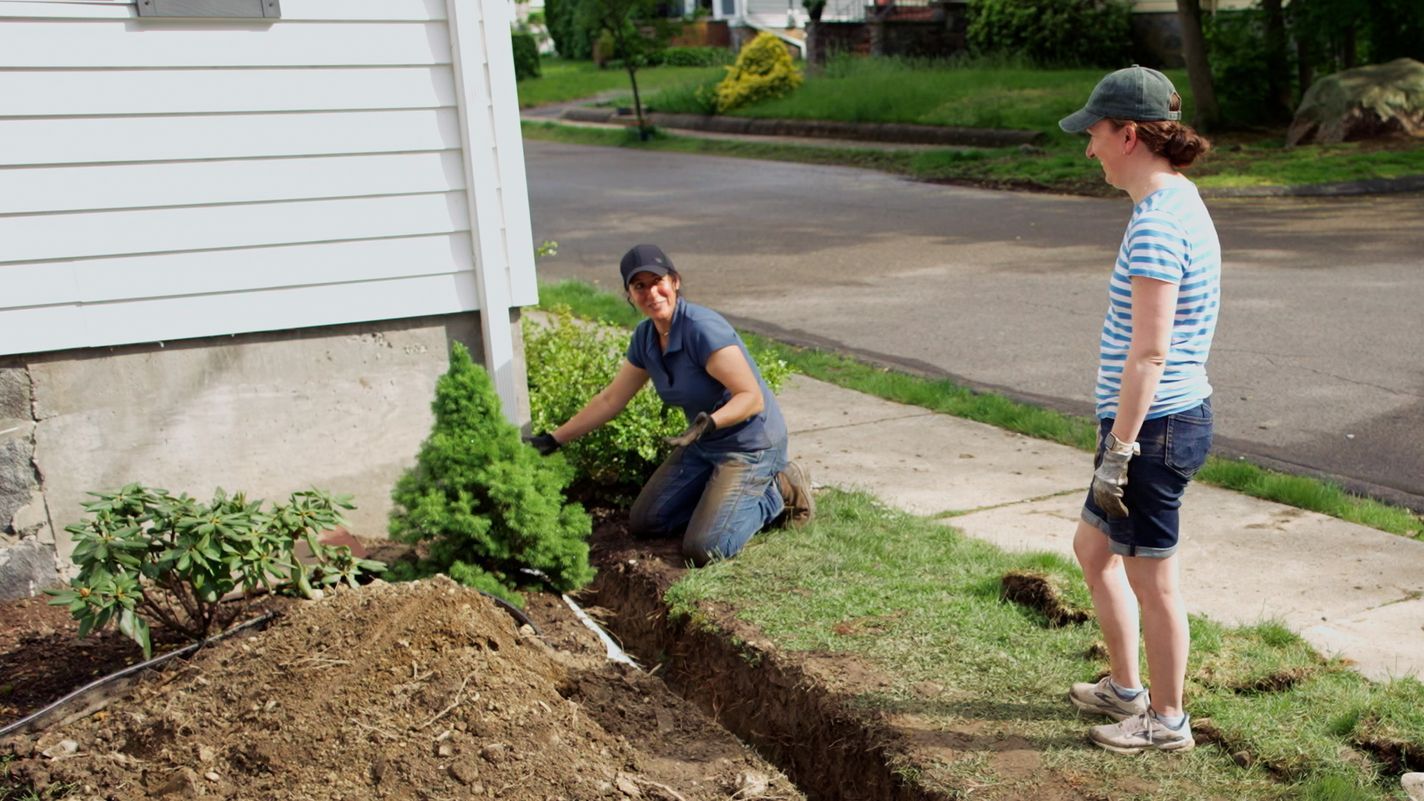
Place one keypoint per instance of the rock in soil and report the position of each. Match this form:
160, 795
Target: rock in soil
397, 691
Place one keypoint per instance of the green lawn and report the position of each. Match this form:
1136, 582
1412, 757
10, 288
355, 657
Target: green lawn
970, 95
937, 93
923, 604
562, 81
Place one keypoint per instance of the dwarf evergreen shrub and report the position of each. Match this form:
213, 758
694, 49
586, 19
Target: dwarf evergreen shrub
486, 503
569, 362
763, 70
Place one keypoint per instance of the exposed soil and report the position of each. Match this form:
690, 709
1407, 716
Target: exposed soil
422, 690
430, 690
805, 711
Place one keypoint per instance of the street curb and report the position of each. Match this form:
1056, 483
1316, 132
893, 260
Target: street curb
1370, 186
952, 137
903, 133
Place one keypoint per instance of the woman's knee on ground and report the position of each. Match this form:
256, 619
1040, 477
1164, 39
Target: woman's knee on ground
646, 520
697, 554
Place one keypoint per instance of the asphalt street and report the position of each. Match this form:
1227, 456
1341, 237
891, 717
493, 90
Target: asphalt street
1318, 363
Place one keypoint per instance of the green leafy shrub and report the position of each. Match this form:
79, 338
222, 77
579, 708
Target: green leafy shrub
1059, 33
763, 70
486, 503
687, 98
569, 362
145, 554
526, 55
694, 56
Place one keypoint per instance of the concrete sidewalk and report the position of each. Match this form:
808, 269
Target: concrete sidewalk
1349, 590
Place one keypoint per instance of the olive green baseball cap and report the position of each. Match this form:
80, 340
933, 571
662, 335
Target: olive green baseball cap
1135, 93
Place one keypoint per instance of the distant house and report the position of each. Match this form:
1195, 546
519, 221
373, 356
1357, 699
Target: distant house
235, 249
1155, 22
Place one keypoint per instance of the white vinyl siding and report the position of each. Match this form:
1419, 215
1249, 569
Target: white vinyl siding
167, 179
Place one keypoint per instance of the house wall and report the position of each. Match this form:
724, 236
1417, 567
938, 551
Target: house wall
234, 253
343, 408
231, 175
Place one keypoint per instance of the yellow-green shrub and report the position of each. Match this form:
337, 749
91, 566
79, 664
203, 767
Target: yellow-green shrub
763, 70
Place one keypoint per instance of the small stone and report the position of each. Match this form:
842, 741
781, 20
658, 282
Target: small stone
62, 749
212, 776
495, 753
444, 749
465, 772
627, 786
206, 754
752, 784
183, 782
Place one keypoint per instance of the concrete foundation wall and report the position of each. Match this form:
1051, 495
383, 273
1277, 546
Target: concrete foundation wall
341, 408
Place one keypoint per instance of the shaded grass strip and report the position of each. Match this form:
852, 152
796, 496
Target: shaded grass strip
942, 395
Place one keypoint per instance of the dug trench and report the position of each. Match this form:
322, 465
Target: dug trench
801, 711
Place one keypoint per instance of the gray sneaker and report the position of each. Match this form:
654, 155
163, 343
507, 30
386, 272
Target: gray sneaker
1102, 699
795, 485
1142, 732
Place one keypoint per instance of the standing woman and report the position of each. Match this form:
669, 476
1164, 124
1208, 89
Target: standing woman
729, 475
1153, 406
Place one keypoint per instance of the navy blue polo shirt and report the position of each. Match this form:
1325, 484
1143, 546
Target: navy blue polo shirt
681, 379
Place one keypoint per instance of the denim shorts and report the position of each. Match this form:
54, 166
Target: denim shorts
1173, 449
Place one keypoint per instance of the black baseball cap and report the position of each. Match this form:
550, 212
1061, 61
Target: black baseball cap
644, 259
1136, 93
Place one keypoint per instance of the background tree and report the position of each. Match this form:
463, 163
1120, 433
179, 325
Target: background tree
1279, 100
1208, 114
570, 32
815, 50
638, 33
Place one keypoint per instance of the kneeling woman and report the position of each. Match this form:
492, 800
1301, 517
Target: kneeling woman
729, 475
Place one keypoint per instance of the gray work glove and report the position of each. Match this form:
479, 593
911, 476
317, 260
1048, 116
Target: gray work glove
1111, 475
543, 442
702, 425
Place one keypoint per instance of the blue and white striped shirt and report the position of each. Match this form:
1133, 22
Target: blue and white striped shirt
1169, 238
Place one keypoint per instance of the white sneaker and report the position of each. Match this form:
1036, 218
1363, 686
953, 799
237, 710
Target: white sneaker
1102, 699
1413, 784
1142, 732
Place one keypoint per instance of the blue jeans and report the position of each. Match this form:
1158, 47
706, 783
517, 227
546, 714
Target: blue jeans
719, 499
1173, 449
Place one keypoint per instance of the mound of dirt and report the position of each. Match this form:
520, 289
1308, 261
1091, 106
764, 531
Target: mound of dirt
397, 691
